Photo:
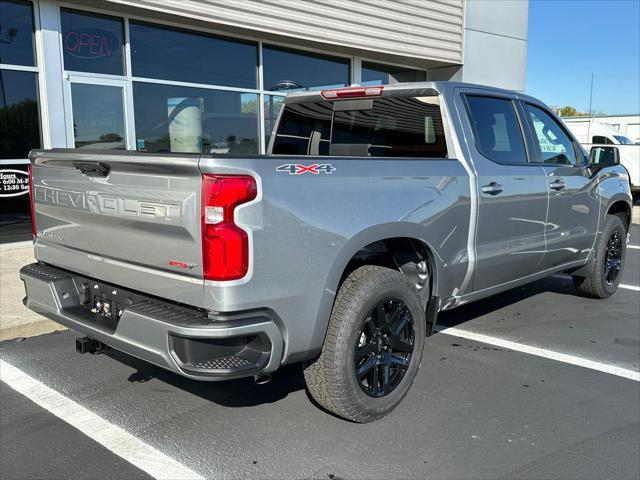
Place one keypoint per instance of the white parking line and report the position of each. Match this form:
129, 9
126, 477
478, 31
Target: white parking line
634, 247
629, 287
542, 352
114, 438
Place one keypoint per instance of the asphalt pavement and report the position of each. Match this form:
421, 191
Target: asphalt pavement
476, 410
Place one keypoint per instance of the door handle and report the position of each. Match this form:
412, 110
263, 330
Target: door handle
492, 189
557, 185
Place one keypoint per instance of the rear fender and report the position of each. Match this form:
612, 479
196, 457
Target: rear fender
355, 244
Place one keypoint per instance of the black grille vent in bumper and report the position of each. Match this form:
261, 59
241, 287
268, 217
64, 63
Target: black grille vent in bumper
223, 363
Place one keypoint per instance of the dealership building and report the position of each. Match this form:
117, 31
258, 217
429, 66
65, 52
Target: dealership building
112, 74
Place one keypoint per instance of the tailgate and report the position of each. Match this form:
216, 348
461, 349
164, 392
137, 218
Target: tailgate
131, 219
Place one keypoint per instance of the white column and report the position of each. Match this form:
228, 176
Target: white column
356, 70
49, 55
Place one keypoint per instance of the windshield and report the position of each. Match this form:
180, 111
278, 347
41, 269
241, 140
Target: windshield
623, 140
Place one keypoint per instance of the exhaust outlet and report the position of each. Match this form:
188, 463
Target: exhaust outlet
263, 379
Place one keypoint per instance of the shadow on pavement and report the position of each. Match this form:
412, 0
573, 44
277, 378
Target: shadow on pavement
230, 393
479, 308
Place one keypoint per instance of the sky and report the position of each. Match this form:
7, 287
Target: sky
571, 39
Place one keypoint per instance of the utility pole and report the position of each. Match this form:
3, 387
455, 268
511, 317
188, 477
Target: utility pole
590, 111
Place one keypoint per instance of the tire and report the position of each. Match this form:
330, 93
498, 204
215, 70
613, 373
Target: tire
599, 283
354, 342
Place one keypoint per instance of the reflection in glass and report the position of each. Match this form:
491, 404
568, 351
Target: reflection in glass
379, 74
92, 43
295, 70
16, 33
227, 121
272, 106
98, 116
553, 143
171, 54
19, 125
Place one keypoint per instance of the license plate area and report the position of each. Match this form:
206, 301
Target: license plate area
102, 304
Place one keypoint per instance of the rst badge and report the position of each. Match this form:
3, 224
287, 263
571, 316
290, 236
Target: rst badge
298, 169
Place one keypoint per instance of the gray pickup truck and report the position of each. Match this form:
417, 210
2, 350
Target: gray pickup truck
376, 208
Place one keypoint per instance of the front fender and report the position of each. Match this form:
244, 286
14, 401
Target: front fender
613, 188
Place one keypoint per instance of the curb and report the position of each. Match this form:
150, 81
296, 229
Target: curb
15, 319
32, 329
8, 247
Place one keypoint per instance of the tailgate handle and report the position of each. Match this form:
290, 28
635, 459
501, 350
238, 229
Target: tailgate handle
92, 169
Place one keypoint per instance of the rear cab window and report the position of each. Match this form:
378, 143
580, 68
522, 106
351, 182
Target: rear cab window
381, 127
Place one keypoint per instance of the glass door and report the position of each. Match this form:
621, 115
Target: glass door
96, 114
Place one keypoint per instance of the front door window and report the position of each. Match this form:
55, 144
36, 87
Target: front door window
554, 145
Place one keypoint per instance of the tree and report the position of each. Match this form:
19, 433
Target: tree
569, 111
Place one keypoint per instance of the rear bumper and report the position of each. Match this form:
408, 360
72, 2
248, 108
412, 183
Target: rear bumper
180, 339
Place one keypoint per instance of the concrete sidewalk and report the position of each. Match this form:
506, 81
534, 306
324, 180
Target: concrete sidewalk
15, 319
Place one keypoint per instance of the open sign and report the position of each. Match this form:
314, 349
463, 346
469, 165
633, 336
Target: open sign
91, 43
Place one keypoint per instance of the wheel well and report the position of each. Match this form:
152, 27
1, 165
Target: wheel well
410, 256
622, 210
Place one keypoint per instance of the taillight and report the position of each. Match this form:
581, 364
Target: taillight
225, 246
352, 92
32, 203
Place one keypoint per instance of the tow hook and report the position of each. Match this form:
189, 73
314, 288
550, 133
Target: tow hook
90, 345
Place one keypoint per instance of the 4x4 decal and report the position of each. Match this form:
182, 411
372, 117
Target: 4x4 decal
298, 169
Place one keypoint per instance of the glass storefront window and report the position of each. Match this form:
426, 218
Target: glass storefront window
92, 43
98, 116
172, 54
19, 117
16, 33
19, 120
379, 74
296, 70
172, 118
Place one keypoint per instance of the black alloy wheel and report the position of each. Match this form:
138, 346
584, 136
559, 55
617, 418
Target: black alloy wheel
384, 347
600, 278
373, 346
613, 258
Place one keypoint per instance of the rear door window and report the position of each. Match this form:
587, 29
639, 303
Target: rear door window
496, 129
382, 127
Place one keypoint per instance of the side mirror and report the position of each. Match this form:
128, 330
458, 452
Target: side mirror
602, 156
